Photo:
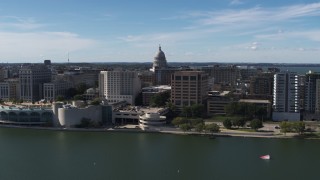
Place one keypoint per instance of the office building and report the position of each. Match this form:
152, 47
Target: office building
31, 80
188, 88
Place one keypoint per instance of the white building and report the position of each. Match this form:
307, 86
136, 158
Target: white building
118, 86
151, 120
286, 97
72, 115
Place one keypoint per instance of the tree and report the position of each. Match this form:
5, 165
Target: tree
186, 111
231, 108
227, 123
213, 128
95, 102
199, 127
194, 122
78, 97
299, 127
239, 122
256, 124
172, 110
185, 127
285, 127
160, 99
60, 98
178, 121
197, 110
81, 88
71, 92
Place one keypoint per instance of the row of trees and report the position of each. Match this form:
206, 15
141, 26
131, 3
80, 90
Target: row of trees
248, 110
297, 127
186, 124
240, 122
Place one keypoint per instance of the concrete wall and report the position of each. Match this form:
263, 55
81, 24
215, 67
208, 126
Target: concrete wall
69, 117
282, 116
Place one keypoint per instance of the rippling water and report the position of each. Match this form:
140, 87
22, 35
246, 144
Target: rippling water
40, 154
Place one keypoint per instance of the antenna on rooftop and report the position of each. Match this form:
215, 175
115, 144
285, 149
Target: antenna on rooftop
68, 58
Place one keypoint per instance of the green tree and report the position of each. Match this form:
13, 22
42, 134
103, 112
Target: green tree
185, 127
71, 92
196, 121
238, 122
227, 123
178, 121
232, 108
285, 127
95, 102
261, 113
197, 110
60, 98
256, 124
81, 88
199, 127
78, 97
299, 127
160, 99
213, 128
186, 111
172, 110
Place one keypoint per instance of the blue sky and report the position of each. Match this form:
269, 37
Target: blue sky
188, 30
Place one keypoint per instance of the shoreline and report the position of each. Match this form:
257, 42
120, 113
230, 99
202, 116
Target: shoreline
170, 130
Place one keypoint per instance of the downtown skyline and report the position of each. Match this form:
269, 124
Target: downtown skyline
188, 31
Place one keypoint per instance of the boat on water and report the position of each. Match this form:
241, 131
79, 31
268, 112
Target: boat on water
265, 156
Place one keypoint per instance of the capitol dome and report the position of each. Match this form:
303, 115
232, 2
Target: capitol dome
160, 59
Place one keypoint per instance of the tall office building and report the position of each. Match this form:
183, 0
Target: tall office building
118, 86
188, 88
286, 97
31, 80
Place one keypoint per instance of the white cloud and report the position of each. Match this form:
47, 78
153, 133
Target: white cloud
19, 23
236, 2
33, 45
313, 35
256, 14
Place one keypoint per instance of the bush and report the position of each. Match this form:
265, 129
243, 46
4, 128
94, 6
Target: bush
256, 124
227, 123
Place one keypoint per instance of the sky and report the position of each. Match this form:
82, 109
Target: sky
255, 31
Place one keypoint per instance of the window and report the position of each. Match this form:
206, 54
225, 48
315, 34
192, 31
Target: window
193, 78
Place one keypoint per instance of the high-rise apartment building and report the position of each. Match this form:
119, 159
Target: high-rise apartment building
286, 96
188, 88
31, 80
118, 86
262, 84
225, 74
310, 91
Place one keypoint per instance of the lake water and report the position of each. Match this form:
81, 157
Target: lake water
40, 154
